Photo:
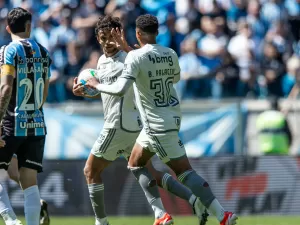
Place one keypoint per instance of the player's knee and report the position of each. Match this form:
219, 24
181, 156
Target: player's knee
91, 173
132, 163
28, 177
180, 166
88, 172
143, 176
158, 176
137, 161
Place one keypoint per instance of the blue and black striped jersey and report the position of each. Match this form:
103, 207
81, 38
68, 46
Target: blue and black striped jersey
24, 115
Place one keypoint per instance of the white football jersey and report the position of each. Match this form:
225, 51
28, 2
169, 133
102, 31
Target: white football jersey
119, 112
154, 69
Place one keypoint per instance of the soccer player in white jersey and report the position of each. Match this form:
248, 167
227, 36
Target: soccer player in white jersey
153, 69
121, 129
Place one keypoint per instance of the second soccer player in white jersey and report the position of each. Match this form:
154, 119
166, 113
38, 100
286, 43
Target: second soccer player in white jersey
120, 131
152, 70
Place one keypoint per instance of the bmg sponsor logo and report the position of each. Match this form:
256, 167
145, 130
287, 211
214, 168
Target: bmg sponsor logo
161, 59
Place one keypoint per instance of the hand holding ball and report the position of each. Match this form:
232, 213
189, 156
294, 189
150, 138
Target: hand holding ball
83, 77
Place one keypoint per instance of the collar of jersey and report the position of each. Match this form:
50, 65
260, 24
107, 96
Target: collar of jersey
22, 39
116, 55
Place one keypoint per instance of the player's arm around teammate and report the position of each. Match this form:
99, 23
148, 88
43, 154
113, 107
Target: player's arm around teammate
172, 150
105, 149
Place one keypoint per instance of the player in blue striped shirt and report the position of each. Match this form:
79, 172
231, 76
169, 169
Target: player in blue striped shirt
25, 73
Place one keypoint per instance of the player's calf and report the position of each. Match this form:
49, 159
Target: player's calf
167, 182
32, 206
198, 186
150, 188
137, 164
92, 171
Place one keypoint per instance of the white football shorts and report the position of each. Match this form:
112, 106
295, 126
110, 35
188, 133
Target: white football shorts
167, 145
113, 143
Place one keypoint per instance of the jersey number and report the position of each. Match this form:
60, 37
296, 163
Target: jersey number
162, 92
39, 94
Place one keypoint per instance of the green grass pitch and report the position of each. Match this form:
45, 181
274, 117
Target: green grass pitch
253, 220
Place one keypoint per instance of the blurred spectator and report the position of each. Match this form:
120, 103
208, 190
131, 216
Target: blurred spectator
273, 70
133, 9
241, 47
189, 86
92, 61
237, 11
208, 6
211, 47
4, 8
254, 20
191, 14
292, 7
169, 36
60, 37
228, 76
87, 15
72, 68
289, 79
280, 36
85, 19
42, 33
242, 27
272, 11
57, 89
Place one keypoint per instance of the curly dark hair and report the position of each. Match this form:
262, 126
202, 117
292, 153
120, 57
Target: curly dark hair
147, 23
17, 19
107, 23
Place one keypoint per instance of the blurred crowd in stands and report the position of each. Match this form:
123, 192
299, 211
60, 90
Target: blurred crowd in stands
226, 48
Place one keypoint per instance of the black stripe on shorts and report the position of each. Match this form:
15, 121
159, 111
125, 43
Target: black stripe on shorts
108, 139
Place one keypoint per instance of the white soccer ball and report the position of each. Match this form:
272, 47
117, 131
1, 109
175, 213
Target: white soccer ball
83, 77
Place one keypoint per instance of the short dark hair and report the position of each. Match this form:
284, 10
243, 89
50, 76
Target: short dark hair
107, 23
17, 19
147, 23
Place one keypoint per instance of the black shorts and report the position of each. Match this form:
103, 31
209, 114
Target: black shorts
29, 150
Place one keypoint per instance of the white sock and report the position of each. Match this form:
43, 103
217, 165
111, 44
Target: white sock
217, 210
158, 208
102, 221
32, 205
6, 210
